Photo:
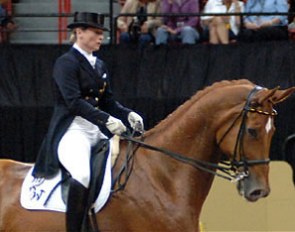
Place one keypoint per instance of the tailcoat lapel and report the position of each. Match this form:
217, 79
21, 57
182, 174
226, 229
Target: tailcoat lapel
84, 63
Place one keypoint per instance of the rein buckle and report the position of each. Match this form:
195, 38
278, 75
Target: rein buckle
240, 176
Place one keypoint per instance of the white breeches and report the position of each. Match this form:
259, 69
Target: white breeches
74, 149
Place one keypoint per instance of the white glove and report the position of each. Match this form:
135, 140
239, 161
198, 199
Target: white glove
115, 126
136, 122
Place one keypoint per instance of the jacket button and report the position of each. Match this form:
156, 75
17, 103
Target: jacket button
96, 99
90, 90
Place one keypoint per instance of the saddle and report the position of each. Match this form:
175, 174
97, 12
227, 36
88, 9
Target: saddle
45, 194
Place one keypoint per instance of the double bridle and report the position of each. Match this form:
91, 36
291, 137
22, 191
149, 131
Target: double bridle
243, 162
232, 170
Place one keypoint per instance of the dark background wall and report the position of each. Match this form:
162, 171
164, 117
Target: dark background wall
153, 81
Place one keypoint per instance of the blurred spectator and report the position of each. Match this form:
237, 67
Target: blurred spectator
291, 19
139, 28
265, 27
7, 25
202, 4
121, 2
182, 28
291, 29
222, 29
291, 4
2, 12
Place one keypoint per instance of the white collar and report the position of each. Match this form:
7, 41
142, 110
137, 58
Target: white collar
89, 56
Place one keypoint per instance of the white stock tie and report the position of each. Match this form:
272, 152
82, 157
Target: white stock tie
92, 61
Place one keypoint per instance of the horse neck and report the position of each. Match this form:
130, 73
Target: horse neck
169, 185
186, 132
191, 131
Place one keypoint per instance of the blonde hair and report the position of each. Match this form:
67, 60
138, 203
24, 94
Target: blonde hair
73, 36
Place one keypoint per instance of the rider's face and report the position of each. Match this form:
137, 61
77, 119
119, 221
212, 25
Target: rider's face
89, 39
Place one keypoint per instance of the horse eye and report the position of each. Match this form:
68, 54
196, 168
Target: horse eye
255, 104
252, 132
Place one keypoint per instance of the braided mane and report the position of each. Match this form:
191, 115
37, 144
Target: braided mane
196, 97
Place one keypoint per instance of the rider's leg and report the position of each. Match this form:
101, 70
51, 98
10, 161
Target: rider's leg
74, 154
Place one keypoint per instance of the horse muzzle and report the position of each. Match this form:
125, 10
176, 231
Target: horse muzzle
252, 189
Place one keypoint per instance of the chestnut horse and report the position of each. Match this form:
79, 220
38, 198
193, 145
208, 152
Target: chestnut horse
174, 166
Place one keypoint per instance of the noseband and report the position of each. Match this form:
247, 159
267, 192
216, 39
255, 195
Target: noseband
232, 170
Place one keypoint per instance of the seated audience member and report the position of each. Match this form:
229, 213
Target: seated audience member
222, 29
180, 28
202, 4
265, 27
140, 28
291, 19
3, 13
7, 25
121, 2
291, 6
291, 30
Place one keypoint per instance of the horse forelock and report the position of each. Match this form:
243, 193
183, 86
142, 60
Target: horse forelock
196, 98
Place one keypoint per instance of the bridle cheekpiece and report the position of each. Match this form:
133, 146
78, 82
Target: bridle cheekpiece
234, 164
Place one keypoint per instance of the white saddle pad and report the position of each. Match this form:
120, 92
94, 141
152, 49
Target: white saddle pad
35, 192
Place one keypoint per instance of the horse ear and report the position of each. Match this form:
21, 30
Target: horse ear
274, 95
266, 94
282, 95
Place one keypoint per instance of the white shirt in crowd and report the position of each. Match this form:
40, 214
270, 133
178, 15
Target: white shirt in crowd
217, 6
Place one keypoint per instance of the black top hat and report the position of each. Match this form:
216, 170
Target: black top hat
86, 19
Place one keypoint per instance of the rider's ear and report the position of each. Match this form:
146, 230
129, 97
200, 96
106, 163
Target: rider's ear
281, 95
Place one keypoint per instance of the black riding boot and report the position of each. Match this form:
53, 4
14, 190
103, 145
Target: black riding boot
76, 206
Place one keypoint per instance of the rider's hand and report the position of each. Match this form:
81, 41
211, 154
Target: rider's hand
136, 122
115, 126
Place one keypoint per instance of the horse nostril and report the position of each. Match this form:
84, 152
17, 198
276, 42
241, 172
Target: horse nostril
258, 194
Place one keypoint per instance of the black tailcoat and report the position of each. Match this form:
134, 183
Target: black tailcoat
81, 91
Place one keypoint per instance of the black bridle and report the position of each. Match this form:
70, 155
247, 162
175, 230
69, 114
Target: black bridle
243, 162
230, 169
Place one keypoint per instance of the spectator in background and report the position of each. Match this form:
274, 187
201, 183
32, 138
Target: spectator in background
291, 6
291, 30
3, 13
265, 27
139, 28
121, 2
202, 4
182, 28
222, 29
291, 19
7, 25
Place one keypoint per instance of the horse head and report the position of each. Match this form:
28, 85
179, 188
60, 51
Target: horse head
245, 139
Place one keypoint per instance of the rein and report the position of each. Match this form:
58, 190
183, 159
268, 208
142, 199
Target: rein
193, 162
229, 169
